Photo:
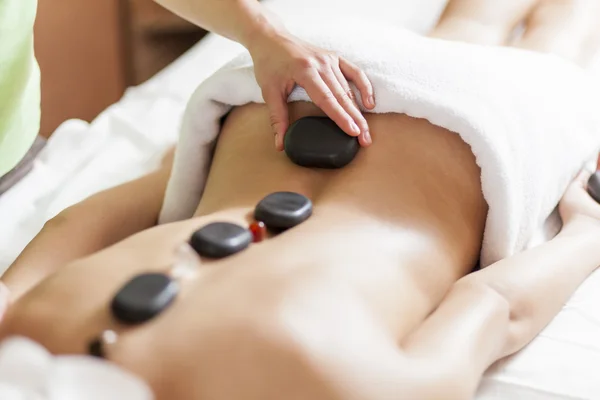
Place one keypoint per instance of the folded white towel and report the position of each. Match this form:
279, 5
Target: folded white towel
530, 119
29, 371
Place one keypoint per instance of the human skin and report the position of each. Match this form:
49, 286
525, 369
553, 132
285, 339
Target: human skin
282, 61
369, 298
338, 307
357, 265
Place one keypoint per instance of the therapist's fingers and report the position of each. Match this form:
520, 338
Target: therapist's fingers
323, 96
568, 28
278, 114
360, 80
482, 21
344, 95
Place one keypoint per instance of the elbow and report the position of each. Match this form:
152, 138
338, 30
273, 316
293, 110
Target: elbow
511, 308
496, 300
59, 220
68, 219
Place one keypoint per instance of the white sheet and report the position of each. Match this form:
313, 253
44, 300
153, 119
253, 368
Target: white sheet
29, 372
129, 137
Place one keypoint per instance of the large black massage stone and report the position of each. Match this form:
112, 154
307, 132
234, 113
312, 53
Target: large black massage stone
317, 142
220, 239
283, 210
144, 297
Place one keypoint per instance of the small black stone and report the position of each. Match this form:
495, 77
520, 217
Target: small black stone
96, 348
317, 142
220, 239
594, 186
283, 210
144, 297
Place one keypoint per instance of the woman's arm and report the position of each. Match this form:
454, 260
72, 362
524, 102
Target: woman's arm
537, 283
92, 225
238, 20
495, 312
281, 61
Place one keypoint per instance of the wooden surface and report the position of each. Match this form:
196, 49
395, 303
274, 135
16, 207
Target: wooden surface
79, 48
156, 38
90, 51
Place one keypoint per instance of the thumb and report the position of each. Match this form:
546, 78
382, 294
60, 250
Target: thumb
278, 115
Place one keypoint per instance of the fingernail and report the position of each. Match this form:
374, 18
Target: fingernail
276, 142
372, 101
355, 128
368, 138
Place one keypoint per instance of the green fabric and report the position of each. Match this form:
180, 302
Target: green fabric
19, 82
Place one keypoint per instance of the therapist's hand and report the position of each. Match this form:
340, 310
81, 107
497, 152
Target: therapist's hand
282, 61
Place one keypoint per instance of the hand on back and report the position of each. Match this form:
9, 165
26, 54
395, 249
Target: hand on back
283, 61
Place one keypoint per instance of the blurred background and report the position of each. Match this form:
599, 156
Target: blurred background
90, 51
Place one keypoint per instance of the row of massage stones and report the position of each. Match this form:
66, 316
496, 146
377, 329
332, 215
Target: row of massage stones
147, 295
311, 142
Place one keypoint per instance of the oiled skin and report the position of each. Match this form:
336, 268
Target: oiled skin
341, 307
390, 234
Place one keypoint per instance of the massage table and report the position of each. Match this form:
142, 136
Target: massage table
129, 138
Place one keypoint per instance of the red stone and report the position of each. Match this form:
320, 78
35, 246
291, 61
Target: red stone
259, 231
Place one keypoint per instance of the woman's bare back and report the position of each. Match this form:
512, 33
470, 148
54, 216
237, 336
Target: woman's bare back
412, 200
392, 231
329, 309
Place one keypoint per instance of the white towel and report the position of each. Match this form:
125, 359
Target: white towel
29, 371
529, 118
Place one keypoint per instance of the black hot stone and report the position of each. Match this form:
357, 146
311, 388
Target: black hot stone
283, 210
317, 142
220, 239
144, 297
594, 186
